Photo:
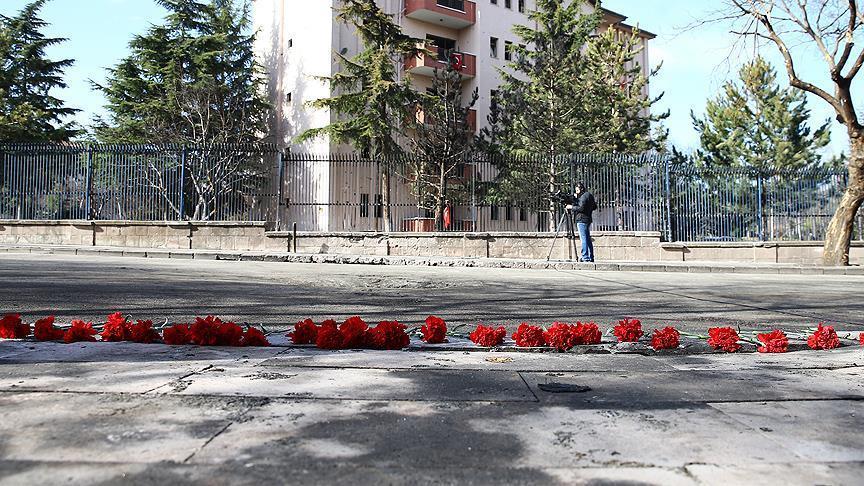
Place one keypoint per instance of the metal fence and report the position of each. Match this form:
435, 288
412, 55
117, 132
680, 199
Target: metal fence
138, 182
348, 192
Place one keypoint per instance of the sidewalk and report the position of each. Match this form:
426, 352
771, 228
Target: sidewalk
153, 414
685, 267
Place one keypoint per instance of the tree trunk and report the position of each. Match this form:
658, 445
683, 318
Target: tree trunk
839, 234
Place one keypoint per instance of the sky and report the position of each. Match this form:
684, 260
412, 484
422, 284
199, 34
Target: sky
695, 62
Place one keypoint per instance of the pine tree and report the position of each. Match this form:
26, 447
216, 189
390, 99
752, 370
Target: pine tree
568, 91
193, 79
757, 124
373, 104
28, 110
442, 143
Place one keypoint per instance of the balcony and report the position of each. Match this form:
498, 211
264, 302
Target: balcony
426, 64
453, 14
421, 117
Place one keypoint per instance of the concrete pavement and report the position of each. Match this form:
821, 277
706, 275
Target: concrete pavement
103, 413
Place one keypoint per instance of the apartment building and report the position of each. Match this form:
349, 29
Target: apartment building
296, 44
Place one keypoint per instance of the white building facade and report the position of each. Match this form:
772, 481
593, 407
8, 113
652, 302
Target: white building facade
297, 41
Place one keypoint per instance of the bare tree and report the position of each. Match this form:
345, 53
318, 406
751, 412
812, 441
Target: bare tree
832, 27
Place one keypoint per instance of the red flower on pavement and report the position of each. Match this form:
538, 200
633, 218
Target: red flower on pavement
80, 331
588, 333
724, 338
254, 337
666, 338
824, 338
205, 331
435, 330
487, 336
528, 336
773, 342
143, 332
229, 334
861, 338
116, 328
177, 335
353, 332
328, 337
304, 332
628, 330
560, 336
388, 335
44, 330
11, 327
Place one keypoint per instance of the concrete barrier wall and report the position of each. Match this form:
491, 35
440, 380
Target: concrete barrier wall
609, 246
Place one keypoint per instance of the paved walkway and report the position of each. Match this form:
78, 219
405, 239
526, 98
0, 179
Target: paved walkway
123, 413
611, 266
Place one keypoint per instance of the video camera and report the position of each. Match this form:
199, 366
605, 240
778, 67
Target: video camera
564, 198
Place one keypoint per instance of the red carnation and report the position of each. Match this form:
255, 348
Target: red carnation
773, 342
116, 328
305, 332
328, 337
44, 330
388, 335
528, 336
254, 337
724, 338
80, 331
143, 332
435, 330
353, 332
824, 338
666, 338
861, 338
11, 327
205, 332
628, 330
488, 336
177, 335
586, 334
560, 336
229, 334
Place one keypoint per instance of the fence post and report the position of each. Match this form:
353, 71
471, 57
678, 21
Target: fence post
183, 183
667, 182
761, 206
88, 187
280, 190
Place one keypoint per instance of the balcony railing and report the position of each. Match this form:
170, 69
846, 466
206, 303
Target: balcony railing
426, 64
453, 14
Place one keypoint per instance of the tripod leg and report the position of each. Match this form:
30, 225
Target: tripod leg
557, 232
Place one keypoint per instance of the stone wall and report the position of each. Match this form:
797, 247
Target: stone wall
609, 246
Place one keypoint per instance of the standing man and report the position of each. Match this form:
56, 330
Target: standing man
584, 207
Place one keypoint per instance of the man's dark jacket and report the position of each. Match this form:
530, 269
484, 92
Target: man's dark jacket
583, 208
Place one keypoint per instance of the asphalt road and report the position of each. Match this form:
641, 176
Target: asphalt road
279, 294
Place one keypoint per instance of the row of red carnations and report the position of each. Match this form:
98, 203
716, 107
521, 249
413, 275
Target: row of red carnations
355, 333
208, 331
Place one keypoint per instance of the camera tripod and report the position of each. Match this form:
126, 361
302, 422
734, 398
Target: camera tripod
566, 222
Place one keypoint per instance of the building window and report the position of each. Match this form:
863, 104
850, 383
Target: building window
508, 4
493, 2
493, 96
508, 212
508, 51
543, 221
493, 213
523, 213
522, 48
289, 97
379, 206
443, 45
364, 205
454, 4
290, 43
493, 47
521, 6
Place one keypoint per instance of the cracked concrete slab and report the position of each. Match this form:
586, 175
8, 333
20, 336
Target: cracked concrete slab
794, 473
651, 389
93, 376
369, 384
109, 428
849, 356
